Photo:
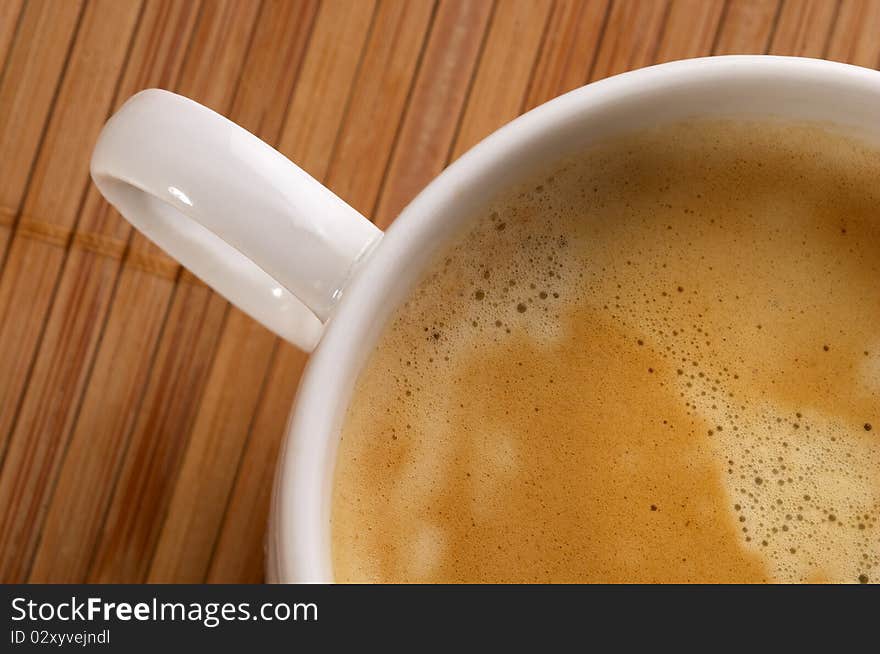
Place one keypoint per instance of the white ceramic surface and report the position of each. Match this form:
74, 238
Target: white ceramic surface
241, 217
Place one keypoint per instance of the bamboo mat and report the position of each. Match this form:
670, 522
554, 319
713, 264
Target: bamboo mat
140, 415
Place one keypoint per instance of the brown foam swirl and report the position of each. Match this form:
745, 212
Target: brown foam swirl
659, 363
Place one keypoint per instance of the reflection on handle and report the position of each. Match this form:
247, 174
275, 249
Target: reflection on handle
232, 209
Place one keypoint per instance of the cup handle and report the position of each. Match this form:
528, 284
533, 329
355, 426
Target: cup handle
232, 209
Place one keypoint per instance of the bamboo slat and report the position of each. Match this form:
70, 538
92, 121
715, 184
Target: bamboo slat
748, 26
804, 28
180, 356
35, 62
855, 39
125, 355
140, 415
570, 48
491, 104
238, 556
76, 322
378, 97
36, 255
691, 29
234, 384
437, 100
631, 38
10, 12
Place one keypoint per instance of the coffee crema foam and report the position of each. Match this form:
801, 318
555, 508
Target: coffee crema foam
659, 363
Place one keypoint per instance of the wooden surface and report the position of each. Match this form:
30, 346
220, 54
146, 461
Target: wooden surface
140, 415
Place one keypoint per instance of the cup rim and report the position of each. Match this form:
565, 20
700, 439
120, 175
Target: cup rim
298, 539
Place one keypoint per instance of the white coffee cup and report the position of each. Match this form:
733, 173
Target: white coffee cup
294, 256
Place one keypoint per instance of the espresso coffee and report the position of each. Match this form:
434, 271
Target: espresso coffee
659, 362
